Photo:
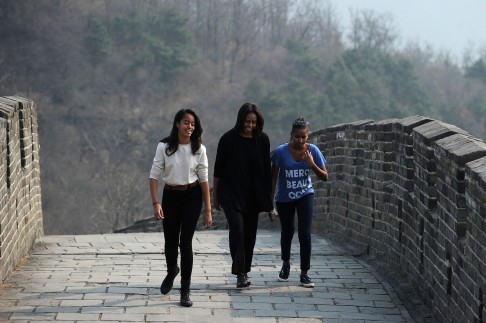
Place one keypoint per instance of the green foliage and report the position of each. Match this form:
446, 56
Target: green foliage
343, 89
477, 71
283, 106
304, 65
366, 84
97, 41
274, 104
301, 95
153, 42
119, 83
296, 48
477, 106
361, 84
302, 100
255, 89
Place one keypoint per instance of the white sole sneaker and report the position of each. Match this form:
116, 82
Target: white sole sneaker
308, 285
283, 272
306, 281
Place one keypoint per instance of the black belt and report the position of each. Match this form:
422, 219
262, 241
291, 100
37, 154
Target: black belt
180, 187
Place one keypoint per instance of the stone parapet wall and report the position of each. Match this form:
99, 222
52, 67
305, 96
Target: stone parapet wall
20, 190
411, 192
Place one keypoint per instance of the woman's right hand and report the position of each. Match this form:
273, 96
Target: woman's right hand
158, 213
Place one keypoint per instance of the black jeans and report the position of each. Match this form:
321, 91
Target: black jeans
242, 235
286, 212
181, 214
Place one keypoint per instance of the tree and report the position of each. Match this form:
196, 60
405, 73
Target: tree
108, 76
155, 42
372, 31
366, 84
315, 24
477, 71
303, 64
97, 42
123, 200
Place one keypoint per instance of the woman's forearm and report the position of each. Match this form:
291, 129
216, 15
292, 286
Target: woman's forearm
321, 173
206, 195
154, 184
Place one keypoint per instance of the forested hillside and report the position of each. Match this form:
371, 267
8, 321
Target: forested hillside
108, 76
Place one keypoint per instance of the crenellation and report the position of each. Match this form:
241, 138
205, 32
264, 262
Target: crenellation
20, 207
419, 203
410, 192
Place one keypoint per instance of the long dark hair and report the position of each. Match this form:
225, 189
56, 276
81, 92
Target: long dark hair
245, 109
173, 139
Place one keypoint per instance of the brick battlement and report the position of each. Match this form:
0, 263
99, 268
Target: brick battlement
20, 190
411, 192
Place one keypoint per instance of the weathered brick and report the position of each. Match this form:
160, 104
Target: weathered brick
419, 202
20, 205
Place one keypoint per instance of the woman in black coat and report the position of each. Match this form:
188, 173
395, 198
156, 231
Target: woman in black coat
242, 185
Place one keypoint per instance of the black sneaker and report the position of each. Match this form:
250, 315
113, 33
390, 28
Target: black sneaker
247, 279
241, 281
283, 275
306, 281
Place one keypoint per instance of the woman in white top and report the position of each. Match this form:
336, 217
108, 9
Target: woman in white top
181, 162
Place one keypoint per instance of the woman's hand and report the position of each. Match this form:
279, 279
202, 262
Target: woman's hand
272, 215
320, 172
208, 219
158, 213
307, 157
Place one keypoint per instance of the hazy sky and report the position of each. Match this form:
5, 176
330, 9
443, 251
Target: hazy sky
449, 25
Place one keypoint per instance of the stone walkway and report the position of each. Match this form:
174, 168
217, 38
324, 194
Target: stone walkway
116, 278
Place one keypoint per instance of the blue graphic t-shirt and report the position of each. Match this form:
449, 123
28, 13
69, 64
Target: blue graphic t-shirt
294, 179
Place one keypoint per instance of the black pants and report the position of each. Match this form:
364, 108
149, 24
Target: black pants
286, 211
242, 235
181, 213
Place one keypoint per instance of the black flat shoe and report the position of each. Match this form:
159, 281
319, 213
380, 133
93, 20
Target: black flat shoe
185, 300
247, 279
185, 291
241, 281
169, 280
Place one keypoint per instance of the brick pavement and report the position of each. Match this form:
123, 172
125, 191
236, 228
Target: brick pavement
116, 278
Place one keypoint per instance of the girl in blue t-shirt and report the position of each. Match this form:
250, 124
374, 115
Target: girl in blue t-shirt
292, 164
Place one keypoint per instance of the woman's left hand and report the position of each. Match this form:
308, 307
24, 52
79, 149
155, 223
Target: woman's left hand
272, 215
208, 219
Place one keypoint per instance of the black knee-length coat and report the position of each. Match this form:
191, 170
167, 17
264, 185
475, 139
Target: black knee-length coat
228, 169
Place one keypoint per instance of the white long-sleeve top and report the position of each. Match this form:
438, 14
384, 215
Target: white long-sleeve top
180, 168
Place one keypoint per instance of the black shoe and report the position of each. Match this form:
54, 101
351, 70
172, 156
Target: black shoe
241, 281
247, 279
185, 291
283, 275
169, 280
185, 300
306, 281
